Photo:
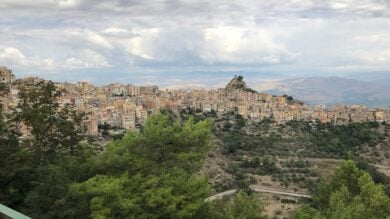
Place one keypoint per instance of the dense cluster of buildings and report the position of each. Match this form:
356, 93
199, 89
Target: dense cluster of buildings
128, 106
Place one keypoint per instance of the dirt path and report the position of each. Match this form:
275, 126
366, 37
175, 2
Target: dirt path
273, 191
221, 194
258, 189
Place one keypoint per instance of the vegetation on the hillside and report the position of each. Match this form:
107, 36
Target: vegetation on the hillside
282, 151
349, 193
300, 138
241, 206
148, 174
154, 173
51, 173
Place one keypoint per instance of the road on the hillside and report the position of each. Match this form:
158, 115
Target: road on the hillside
258, 189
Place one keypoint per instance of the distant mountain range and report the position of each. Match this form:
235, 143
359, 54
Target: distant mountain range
331, 90
376, 77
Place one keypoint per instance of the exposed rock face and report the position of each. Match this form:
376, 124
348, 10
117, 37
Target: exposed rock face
237, 83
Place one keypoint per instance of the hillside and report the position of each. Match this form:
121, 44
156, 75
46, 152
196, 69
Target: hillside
331, 90
289, 158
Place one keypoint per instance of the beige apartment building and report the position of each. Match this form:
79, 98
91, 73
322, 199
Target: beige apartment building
126, 105
6, 75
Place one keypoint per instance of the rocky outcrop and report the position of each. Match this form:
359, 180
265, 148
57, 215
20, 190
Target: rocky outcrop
237, 83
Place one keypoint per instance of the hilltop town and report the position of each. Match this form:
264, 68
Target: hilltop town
276, 148
127, 106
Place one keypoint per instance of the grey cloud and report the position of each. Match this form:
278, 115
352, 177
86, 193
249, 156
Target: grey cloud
161, 35
202, 7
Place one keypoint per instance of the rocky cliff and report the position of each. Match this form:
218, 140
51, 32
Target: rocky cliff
238, 83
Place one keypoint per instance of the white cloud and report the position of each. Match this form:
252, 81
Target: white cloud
142, 43
42, 4
96, 39
383, 38
373, 57
68, 3
14, 57
86, 59
218, 35
135, 46
115, 31
243, 45
221, 44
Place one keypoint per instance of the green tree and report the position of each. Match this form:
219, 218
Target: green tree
241, 206
347, 175
171, 144
147, 174
350, 193
169, 195
305, 212
37, 170
246, 207
370, 202
14, 175
55, 131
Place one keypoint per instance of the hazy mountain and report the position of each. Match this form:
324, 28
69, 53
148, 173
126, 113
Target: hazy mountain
331, 90
376, 77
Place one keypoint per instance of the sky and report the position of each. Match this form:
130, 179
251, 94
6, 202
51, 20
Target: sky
193, 43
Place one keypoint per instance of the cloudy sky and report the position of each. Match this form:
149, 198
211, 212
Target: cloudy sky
193, 42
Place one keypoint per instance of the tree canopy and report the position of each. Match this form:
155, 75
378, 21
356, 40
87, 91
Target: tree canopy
49, 173
350, 193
